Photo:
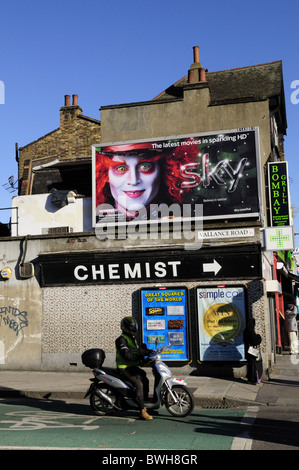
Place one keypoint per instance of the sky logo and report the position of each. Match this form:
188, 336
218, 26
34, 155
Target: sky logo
2, 92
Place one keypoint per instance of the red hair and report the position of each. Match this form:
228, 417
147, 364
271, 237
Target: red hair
172, 164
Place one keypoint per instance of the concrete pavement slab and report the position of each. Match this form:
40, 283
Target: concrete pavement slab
283, 386
207, 391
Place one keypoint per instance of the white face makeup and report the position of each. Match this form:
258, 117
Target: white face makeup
134, 182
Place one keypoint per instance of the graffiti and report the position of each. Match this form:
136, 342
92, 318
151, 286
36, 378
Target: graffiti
13, 319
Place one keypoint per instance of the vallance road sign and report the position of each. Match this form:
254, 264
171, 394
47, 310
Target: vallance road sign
95, 268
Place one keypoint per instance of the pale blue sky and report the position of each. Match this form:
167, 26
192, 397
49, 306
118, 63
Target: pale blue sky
125, 51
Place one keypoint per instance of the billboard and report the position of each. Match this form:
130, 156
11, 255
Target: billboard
217, 171
221, 319
164, 313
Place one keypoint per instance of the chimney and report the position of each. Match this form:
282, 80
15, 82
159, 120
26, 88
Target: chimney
196, 73
69, 112
75, 100
67, 100
196, 54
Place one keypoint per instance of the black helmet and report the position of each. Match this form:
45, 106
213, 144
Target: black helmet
129, 325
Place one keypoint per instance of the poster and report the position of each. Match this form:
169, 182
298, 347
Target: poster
221, 322
159, 179
164, 314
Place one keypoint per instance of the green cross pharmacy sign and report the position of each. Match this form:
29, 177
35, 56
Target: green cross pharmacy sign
279, 238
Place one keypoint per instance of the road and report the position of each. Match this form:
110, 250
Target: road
276, 428
72, 425
60, 425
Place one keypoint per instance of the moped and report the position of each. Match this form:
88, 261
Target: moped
108, 392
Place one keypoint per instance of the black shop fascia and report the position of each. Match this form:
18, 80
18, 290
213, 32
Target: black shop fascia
220, 263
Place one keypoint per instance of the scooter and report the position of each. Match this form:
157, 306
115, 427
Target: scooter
108, 392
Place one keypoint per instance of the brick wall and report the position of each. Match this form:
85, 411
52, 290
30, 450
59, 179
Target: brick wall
72, 141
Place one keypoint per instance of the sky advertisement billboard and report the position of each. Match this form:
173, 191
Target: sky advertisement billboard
206, 176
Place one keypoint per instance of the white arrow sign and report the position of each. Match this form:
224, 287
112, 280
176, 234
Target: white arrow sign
211, 267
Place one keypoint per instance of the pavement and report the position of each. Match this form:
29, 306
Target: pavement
280, 389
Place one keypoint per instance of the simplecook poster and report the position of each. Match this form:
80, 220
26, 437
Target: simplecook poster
165, 319
221, 321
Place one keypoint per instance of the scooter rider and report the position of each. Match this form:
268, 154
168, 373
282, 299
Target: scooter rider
128, 359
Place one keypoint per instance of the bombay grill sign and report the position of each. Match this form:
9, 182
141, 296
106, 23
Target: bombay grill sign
218, 171
279, 194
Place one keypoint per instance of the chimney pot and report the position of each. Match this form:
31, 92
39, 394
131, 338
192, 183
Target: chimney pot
202, 75
196, 54
196, 73
75, 100
67, 100
191, 76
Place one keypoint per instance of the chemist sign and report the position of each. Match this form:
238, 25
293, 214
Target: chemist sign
280, 212
221, 321
164, 313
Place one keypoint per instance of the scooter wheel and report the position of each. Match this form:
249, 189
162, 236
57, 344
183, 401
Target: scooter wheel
99, 405
182, 405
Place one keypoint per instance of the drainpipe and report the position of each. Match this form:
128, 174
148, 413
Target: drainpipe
278, 305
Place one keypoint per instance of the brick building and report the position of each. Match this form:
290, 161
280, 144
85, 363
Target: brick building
60, 159
73, 286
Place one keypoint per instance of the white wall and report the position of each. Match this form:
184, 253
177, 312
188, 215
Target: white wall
35, 214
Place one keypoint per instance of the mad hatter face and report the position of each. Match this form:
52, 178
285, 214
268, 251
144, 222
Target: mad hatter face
134, 182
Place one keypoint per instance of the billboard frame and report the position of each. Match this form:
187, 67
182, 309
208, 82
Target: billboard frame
200, 350
183, 330
257, 214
